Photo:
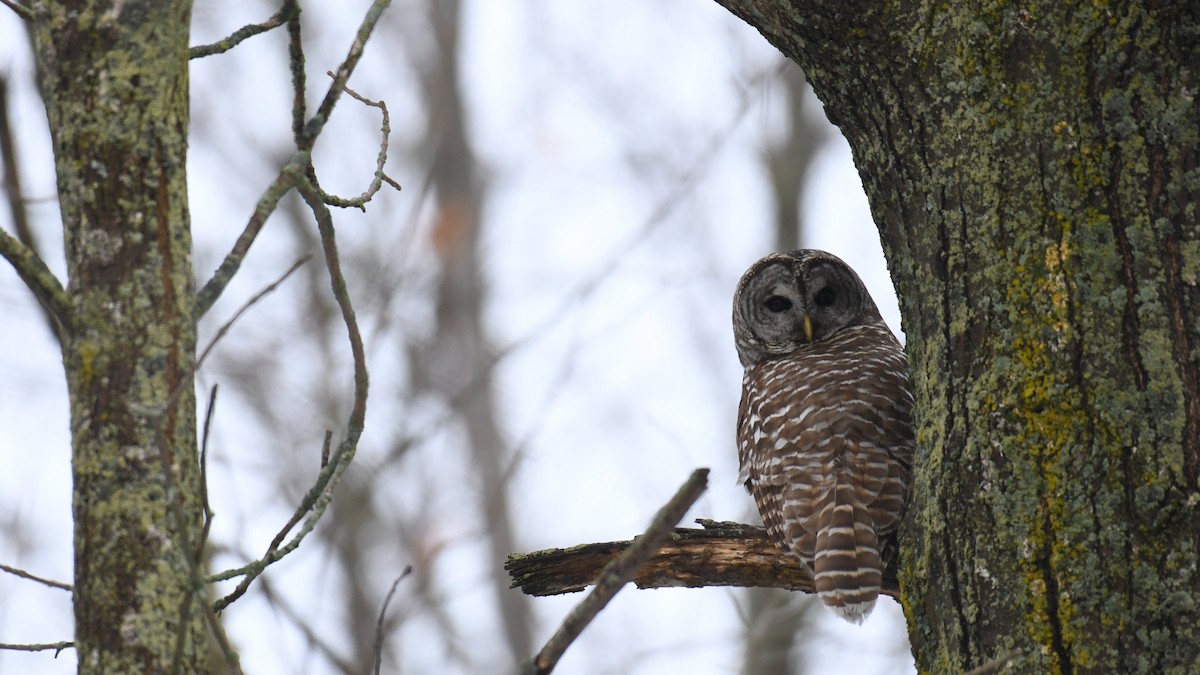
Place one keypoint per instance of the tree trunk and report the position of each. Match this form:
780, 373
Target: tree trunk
1033, 172
114, 79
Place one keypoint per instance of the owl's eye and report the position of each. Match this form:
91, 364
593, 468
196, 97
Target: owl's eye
826, 296
778, 303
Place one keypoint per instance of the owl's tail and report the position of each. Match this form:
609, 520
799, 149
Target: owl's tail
847, 568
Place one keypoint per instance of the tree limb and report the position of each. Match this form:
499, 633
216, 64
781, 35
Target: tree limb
719, 554
33, 271
21, 10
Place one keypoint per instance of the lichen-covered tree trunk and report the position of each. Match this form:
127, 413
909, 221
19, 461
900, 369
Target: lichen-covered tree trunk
1034, 169
114, 79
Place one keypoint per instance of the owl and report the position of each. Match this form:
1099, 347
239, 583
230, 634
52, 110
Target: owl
825, 437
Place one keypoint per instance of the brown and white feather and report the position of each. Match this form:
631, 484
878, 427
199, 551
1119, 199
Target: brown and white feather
825, 445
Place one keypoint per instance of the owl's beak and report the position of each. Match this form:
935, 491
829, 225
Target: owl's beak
807, 328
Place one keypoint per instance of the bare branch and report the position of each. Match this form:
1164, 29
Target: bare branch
380, 178
204, 503
618, 572
37, 647
313, 505
33, 577
267, 290
720, 554
33, 271
284, 14
341, 294
291, 172
21, 10
382, 615
232, 663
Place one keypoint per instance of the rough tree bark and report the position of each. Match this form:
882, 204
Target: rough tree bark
114, 79
1033, 171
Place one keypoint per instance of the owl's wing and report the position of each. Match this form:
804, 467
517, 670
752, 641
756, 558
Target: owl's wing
754, 444
745, 434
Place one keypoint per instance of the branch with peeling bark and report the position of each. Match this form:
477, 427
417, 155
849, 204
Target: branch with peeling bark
717, 554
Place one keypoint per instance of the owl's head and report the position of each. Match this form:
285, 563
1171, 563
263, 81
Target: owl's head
788, 300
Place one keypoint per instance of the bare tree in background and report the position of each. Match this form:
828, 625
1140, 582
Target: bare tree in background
458, 363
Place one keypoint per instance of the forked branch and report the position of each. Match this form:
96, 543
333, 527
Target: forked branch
299, 166
38, 278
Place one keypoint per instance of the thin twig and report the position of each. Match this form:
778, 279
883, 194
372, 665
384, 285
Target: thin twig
300, 513
313, 128
204, 436
242, 33
288, 175
254, 299
300, 164
383, 614
21, 10
325, 445
33, 577
385, 130
37, 646
618, 573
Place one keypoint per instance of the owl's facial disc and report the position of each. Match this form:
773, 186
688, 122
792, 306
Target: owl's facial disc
781, 309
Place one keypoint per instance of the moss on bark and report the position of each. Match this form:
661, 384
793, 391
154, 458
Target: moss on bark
114, 79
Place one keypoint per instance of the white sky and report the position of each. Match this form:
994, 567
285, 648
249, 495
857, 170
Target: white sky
592, 116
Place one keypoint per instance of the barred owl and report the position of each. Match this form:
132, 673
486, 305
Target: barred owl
825, 436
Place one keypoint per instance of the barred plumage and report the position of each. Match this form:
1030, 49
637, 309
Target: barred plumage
825, 436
